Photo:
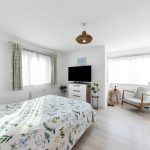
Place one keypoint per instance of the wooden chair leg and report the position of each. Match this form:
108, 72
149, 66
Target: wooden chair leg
141, 108
117, 99
122, 98
122, 103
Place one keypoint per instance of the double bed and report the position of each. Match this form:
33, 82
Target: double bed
45, 123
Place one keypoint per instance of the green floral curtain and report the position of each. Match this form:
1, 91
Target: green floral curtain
54, 69
16, 66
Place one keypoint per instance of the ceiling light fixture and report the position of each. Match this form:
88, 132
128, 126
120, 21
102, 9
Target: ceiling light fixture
84, 38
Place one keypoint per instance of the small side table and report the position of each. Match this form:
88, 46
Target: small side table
93, 99
115, 93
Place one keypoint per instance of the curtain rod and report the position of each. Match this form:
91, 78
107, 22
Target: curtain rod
133, 55
34, 51
38, 52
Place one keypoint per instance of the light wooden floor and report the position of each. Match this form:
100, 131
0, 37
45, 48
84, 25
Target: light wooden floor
118, 129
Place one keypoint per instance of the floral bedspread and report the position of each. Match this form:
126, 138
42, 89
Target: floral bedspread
45, 123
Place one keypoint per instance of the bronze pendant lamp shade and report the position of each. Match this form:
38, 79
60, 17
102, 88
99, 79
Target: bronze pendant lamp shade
84, 38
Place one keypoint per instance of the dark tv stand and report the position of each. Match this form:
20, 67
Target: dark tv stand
79, 82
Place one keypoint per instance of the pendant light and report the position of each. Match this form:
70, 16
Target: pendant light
84, 38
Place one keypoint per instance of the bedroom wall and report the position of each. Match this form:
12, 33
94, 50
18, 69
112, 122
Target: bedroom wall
143, 50
95, 57
6, 94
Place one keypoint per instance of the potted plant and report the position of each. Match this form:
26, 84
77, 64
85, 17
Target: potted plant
63, 90
95, 89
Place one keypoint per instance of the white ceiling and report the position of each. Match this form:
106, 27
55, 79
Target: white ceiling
117, 24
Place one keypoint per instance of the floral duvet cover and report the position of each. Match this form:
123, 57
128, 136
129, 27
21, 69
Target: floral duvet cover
45, 123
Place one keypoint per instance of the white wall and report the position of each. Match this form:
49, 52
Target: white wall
96, 57
6, 94
136, 51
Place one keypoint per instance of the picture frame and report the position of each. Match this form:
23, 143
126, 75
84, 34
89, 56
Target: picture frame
81, 61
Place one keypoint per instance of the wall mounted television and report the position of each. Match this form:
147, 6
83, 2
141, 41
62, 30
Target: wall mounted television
79, 73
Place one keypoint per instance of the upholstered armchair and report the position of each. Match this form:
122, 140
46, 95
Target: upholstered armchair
140, 99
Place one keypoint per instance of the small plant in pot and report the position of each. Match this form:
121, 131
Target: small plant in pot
63, 90
95, 89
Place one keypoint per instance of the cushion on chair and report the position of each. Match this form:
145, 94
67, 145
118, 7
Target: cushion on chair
140, 91
135, 101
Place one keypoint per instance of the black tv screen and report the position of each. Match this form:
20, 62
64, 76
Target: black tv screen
79, 73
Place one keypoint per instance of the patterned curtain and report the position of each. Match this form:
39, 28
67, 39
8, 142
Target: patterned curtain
54, 69
16, 66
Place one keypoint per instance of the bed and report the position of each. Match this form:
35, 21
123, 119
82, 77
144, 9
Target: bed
44, 123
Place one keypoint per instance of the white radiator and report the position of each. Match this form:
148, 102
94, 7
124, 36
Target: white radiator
38, 93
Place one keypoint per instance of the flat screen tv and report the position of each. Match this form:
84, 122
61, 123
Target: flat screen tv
79, 74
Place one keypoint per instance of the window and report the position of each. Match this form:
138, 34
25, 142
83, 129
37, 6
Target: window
36, 68
129, 70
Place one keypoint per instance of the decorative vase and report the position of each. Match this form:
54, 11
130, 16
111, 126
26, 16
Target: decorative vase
63, 94
95, 94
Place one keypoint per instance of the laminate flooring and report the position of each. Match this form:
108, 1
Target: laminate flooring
117, 128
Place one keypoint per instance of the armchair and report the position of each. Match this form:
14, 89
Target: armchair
140, 99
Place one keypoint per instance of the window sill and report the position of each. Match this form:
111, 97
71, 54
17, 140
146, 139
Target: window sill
36, 86
129, 84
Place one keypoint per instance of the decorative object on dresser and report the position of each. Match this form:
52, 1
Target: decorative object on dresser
80, 91
63, 90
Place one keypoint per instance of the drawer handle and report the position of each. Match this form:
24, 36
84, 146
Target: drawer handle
76, 95
76, 90
77, 85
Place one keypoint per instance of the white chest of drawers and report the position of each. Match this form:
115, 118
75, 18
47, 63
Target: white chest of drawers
79, 91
